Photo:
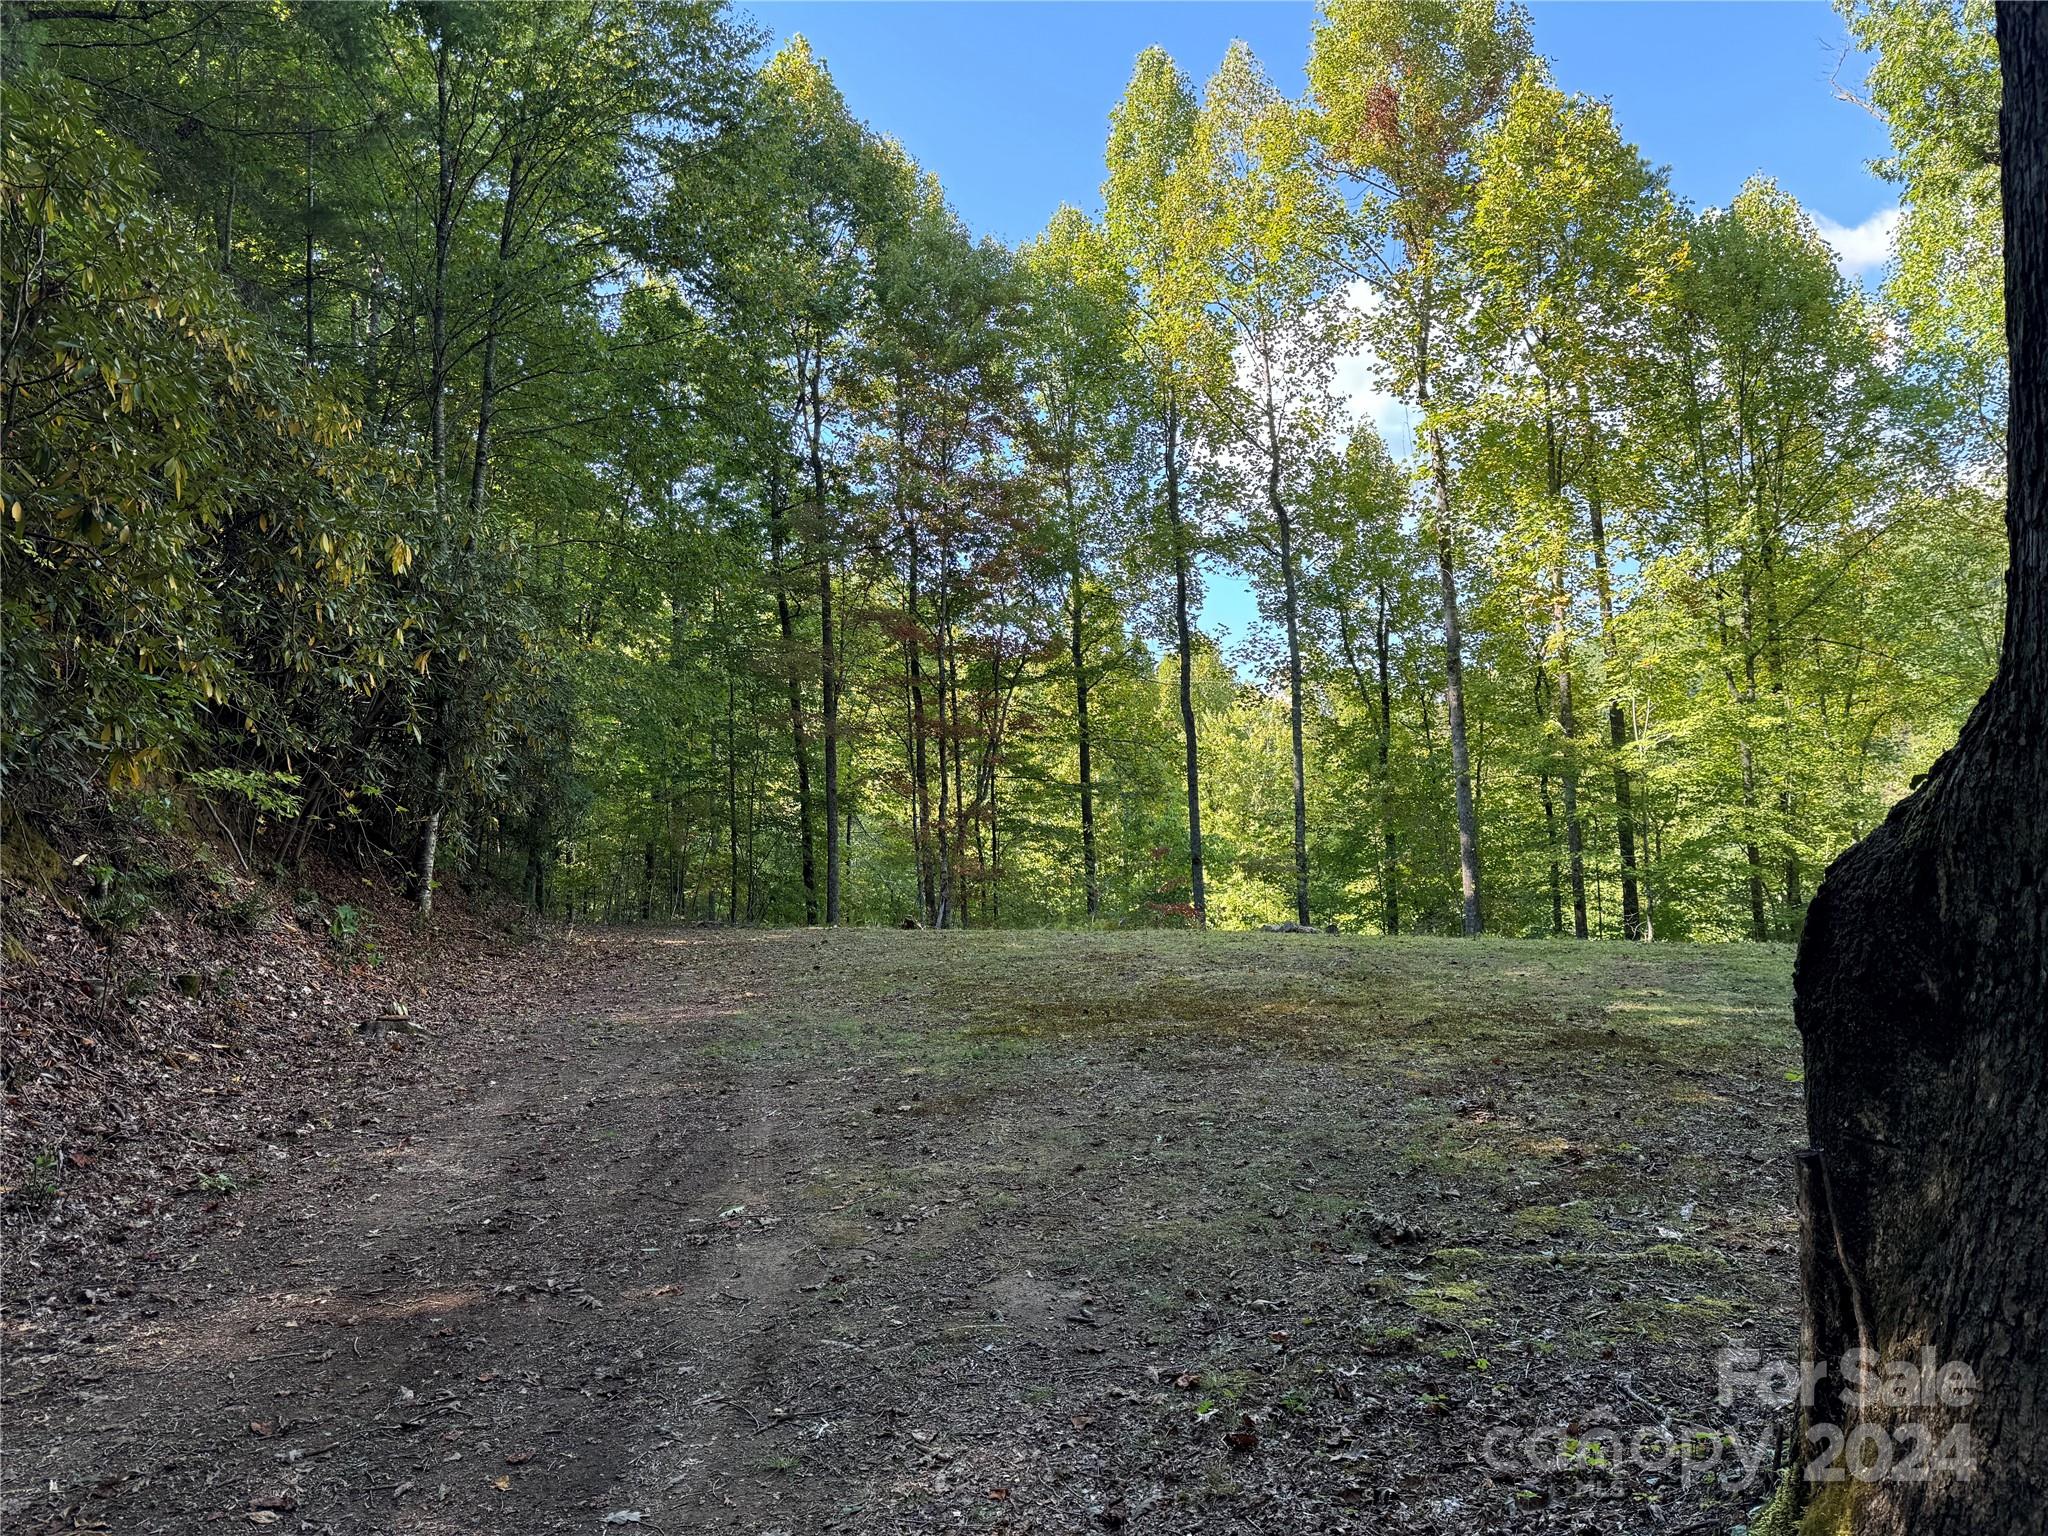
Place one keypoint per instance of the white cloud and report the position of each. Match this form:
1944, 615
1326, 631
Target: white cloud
1860, 249
1358, 385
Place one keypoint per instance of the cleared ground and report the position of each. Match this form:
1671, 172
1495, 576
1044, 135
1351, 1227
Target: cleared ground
892, 1232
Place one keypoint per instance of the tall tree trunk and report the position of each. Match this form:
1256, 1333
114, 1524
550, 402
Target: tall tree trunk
1632, 924
927, 881
799, 746
430, 844
1454, 698
1445, 860
949, 706
1390, 874
1795, 896
1920, 994
373, 353
1745, 754
307, 274
1774, 658
437, 435
948, 743
1290, 596
1752, 851
1185, 635
1568, 769
1550, 842
753, 907
828, 663
494, 318
846, 843
1549, 808
1090, 878
1561, 639
224, 216
1454, 648
732, 795
1574, 831
437, 293
1390, 905
1752, 805
914, 811
913, 682
1091, 882
1617, 722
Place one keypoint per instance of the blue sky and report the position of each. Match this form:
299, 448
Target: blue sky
1008, 101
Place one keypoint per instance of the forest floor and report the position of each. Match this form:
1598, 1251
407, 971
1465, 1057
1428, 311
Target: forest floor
892, 1232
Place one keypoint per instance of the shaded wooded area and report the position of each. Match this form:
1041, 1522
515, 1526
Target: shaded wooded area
556, 448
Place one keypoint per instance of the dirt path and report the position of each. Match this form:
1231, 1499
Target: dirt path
758, 1233
465, 1311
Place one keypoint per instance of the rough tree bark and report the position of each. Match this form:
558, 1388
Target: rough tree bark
1922, 999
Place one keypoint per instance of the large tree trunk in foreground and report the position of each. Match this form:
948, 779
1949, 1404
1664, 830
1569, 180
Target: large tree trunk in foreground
1922, 996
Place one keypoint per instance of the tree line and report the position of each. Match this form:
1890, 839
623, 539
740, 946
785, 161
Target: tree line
555, 445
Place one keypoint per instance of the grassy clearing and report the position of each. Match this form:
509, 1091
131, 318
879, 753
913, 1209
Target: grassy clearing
1465, 1184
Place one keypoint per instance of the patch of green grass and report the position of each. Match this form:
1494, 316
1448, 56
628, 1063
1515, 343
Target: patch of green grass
1575, 1219
986, 997
1449, 1300
1454, 1153
1668, 1318
1225, 1384
1419, 1161
41, 1182
1458, 1259
1684, 1256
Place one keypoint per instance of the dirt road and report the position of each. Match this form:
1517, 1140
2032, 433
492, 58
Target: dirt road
917, 1232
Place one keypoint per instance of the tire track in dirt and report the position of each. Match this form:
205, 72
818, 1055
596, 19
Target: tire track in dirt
485, 1307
